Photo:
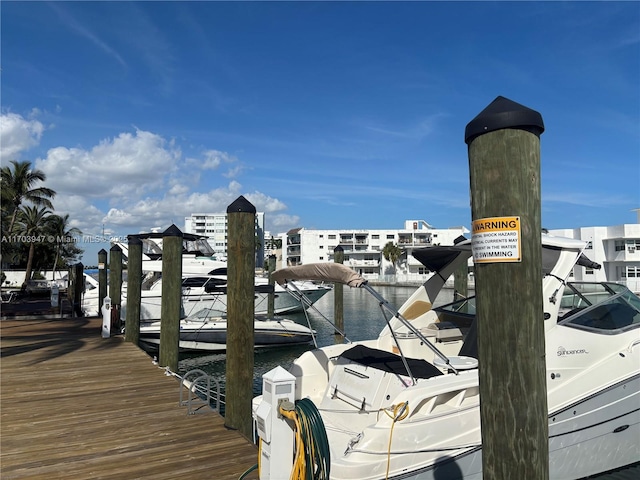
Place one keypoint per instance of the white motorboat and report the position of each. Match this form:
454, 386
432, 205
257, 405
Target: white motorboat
204, 283
204, 332
406, 404
209, 292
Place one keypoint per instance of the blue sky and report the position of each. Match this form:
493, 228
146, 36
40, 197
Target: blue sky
322, 114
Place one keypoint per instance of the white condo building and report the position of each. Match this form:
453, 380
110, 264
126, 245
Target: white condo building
363, 248
616, 248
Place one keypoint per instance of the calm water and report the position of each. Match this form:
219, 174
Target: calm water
362, 320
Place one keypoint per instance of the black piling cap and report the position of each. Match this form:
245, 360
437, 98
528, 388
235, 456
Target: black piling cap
338, 249
102, 252
172, 231
241, 205
134, 240
115, 248
504, 113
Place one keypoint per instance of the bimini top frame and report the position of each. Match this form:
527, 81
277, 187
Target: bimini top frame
338, 273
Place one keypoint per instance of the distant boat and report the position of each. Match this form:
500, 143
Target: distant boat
204, 332
210, 292
203, 280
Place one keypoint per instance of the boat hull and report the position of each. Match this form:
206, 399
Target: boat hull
212, 336
594, 435
151, 300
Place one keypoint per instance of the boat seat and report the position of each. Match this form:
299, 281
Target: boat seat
367, 379
417, 308
389, 362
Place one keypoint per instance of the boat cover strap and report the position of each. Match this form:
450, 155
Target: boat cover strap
389, 362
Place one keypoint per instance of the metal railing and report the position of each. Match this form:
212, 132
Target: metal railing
197, 386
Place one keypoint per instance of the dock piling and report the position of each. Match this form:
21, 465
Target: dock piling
115, 287
102, 278
504, 166
134, 290
240, 315
171, 298
338, 296
75, 289
271, 266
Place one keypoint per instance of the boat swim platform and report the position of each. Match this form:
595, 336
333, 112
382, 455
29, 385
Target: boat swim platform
76, 405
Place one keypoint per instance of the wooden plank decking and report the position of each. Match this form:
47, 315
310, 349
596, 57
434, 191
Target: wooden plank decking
75, 405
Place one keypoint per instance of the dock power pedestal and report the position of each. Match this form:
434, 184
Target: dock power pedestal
275, 431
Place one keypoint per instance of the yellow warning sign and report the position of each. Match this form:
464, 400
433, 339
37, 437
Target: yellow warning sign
496, 239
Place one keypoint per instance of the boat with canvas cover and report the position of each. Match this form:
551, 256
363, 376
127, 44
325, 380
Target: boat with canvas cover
405, 405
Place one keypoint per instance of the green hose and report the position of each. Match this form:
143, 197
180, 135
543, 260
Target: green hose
248, 471
316, 444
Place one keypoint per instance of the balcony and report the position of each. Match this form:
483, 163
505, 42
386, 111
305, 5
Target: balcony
363, 263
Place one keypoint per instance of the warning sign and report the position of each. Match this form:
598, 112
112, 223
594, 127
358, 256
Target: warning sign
496, 239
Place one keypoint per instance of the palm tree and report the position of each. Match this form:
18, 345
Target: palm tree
392, 253
58, 228
18, 185
32, 221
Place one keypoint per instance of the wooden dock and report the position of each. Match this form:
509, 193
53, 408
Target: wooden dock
75, 405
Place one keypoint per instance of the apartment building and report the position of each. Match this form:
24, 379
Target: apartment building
363, 248
214, 227
616, 248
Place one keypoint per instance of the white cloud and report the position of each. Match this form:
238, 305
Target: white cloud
17, 135
283, 222
135, 182
267, 204
214, 158
128, 165
234, 172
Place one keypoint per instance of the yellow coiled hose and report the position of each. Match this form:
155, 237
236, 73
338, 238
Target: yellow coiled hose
312, 459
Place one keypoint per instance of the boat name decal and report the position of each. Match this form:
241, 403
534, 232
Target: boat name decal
563, 352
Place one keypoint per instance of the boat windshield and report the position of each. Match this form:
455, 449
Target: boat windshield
191, 244
597, 306
198, 246
618, 309
585, 294
461, 313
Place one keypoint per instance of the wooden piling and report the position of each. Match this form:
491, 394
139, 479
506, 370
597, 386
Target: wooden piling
102, 279
171, 298
461, 282
115, 287
240, 315
76, 288
504, 167
134, 290
271, 266
338, 294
